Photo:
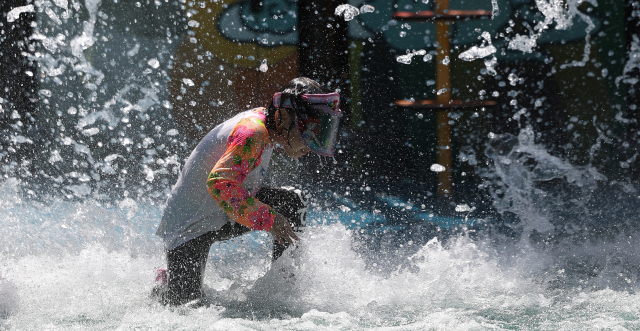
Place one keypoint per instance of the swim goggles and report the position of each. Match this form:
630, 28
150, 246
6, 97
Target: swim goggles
317, 119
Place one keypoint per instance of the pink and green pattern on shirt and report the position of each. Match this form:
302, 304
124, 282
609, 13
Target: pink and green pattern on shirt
244, 150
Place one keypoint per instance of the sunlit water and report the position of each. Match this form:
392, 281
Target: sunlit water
90, 265
84, 257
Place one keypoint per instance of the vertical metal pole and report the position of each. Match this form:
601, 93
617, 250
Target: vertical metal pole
443, 97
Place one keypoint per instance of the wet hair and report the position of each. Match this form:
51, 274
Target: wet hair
293, 90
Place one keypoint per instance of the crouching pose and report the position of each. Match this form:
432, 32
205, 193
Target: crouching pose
219, 196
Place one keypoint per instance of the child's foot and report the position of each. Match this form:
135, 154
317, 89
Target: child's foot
161, 276
161, 288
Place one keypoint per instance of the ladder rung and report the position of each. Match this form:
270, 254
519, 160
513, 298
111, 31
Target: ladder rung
453, 104
451, 14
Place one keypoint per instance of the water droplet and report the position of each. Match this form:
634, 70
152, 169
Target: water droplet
513, 79
464, 208
476, 52
348, 12
263, 66
154, 63
404, 59
367, 9
188, 82
489, 64
494, 7
437, 168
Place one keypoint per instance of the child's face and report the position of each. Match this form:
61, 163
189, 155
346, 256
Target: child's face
292, 143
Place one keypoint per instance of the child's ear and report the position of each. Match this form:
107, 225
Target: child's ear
282, 119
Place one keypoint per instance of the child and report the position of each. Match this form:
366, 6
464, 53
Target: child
218, 194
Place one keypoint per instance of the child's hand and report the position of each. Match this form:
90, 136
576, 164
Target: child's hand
281, 230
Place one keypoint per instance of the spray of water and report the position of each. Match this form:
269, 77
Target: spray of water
83, 257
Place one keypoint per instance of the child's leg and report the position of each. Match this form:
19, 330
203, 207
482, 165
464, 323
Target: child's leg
186, 263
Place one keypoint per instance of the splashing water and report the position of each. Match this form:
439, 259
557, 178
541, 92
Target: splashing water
406, 59
523, 167
437, 168
495, 10
367, 9
9, 303
525, 44
83, 257
490, 65
346, 11
562, 14
476, 52
263, 66
349, 12
14, 13
98, 280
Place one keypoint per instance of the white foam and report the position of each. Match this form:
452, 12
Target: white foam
9, 301
84, 265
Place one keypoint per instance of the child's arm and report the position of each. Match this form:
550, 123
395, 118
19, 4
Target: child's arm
244, 150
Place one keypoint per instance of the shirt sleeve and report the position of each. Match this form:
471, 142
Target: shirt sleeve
244, 150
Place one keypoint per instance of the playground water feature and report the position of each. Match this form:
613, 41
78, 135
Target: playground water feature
79, 251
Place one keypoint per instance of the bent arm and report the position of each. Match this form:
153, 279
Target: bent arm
244, 150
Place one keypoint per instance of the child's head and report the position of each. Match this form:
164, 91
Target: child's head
305, 108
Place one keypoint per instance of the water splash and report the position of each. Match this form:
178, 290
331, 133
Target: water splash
437, 168
495, 11
367, 9
632, 63
476, 52
490, 65
562, 14
346, 11
263, 66
9, 300
521, 167
14, 13
406, 59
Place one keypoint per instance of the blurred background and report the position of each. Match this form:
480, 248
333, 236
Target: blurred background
106, 98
